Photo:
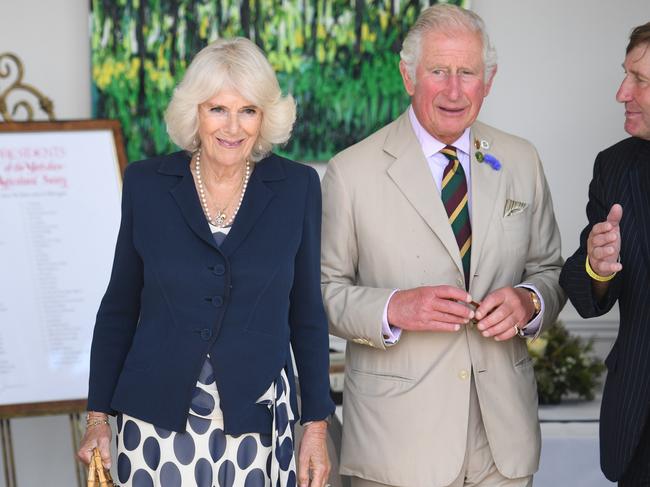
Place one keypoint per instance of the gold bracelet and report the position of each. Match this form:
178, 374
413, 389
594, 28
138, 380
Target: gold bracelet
95, 419
90, 424
92, 416
594, 276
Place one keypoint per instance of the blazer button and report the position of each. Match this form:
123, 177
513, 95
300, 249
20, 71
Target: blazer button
217, 301
218, 270
463, 375
206, 334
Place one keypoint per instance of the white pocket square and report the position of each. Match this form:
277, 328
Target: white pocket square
513, 207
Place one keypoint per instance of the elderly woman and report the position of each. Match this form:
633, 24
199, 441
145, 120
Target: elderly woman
216, 274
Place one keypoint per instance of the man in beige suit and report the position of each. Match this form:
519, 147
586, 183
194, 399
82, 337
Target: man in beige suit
438, 393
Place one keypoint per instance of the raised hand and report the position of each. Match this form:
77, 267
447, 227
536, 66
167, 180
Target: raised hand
604, 243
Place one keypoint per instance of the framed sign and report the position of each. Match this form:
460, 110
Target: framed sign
60, 190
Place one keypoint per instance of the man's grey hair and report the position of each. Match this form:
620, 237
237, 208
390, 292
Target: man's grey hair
445, 18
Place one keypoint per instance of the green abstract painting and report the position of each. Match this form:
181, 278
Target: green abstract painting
338, 58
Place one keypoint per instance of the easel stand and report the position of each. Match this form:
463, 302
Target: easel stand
7, 453
81, 471
72, 408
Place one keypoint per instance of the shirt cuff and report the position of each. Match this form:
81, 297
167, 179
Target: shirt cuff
391, 333
534, 327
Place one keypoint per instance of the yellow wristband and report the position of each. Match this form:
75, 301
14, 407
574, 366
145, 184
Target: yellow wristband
595, 276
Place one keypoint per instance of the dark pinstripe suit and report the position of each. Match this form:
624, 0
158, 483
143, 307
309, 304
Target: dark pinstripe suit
621, 175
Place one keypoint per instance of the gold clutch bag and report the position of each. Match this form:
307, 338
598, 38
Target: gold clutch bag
98, 476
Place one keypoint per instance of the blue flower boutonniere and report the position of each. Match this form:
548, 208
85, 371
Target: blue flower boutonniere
489, 159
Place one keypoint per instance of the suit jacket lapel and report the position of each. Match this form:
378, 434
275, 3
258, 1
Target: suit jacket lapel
186, 197
412, 175
639, 211
258, 194
486, 184
257, 197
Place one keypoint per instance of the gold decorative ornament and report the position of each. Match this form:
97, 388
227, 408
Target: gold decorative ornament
221, 219
15, 96
537, 304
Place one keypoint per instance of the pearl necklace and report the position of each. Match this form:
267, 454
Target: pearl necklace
219, 220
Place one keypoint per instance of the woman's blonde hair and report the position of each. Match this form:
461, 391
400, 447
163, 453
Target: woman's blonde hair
236, 64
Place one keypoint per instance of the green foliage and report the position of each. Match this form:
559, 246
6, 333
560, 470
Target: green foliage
336, 110
564, 365
338, 58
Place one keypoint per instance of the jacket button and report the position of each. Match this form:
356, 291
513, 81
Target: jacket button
463, 375
218, 270
217, 301
206, 334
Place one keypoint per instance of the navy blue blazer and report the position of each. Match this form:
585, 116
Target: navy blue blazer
621, 175
174, 296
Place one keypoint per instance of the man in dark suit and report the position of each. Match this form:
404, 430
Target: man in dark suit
613, 264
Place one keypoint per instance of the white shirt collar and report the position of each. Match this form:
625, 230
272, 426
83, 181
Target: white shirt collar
430, 145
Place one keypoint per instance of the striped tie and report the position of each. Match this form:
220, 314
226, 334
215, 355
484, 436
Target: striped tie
454, 197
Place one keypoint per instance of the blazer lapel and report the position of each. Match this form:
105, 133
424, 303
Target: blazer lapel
257, 197
187, 199
486, 184
412, 175
639, 211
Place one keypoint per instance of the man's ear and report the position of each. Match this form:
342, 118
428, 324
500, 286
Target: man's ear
488, 84
409, 84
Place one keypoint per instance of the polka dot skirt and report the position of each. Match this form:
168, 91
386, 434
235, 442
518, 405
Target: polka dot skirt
204, 456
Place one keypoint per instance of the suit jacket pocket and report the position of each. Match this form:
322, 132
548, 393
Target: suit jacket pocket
378, 384
517, 224
524, 362
511, 220
521, 359
515, 241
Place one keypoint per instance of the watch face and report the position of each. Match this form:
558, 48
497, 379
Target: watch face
536, 303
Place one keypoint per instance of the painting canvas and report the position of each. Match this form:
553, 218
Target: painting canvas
338, 58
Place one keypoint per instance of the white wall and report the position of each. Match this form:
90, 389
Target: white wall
559, 68
52, 40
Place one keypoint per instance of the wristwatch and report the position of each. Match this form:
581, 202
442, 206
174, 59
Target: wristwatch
536, 303
538, 308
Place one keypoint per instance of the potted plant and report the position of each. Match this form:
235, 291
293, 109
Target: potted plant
564, 365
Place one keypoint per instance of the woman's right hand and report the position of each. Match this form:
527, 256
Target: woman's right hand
97, 435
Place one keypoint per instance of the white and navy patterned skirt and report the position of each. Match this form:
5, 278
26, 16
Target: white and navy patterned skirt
204, 456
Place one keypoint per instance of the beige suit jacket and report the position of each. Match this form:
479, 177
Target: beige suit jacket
384, 227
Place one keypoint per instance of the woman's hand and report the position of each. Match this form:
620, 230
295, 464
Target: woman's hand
313, 459
98, 434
